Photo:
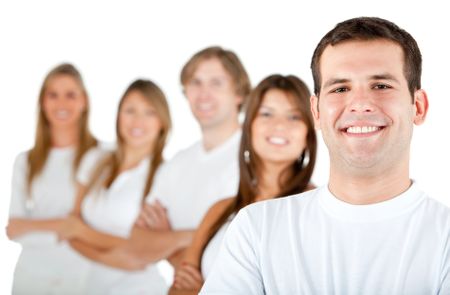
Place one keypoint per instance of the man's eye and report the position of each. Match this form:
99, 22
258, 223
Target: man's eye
216, 83
52, 95
129, 110
71, 95
382, 86
194, 82
340, 89
150, 113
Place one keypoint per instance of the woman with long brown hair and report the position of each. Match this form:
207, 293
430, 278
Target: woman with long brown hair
110, 198
277, 157
44, 190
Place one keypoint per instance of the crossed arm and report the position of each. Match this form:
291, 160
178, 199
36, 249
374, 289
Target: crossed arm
20, 226
188, 277
144, 247
151, 240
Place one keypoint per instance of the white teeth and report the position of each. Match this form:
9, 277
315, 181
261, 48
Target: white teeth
362, 129
277, 140
137, 132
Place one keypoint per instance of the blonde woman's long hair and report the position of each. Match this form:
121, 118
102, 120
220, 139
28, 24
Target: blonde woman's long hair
108, 169
38, 154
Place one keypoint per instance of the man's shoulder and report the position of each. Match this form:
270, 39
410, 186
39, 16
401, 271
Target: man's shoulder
437, 210
184, 154
176, 166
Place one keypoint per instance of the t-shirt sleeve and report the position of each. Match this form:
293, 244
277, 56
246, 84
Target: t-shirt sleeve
19, 192
88, 164
236, 269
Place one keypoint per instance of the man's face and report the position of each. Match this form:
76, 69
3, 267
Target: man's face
212, 95
365, 110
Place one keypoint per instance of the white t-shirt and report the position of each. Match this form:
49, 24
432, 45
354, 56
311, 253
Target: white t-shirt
195, 179
46, 266
313, 243
212, 250
114, 211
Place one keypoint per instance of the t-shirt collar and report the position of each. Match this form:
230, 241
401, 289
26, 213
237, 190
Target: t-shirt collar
391, 208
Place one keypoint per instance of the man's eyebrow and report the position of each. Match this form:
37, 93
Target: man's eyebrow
384, 77
331, 82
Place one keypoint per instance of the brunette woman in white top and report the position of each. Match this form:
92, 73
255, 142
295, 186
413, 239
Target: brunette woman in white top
277, 157
43, 188
111, 197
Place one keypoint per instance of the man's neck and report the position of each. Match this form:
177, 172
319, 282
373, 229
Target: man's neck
217, 135
369, 189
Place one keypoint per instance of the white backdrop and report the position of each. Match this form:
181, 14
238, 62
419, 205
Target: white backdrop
114, 42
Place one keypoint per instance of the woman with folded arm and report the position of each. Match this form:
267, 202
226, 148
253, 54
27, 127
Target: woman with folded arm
110, 198
44, 188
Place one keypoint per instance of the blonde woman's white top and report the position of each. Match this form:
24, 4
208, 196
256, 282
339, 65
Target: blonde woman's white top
46, 266
113, 211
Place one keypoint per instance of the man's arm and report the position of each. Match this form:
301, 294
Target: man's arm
152, 246
73, 228
117, 257
176, 258
146, 247
153, 239
188, 276
150, 241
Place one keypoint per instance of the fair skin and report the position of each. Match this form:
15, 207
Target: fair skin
366, 115
63, 104
139, 126
214, 102
278, 138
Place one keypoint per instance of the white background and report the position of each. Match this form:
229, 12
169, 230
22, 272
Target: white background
114, 42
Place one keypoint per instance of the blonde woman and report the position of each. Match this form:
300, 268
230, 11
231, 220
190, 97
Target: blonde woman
276, 159
43, 188
111, 198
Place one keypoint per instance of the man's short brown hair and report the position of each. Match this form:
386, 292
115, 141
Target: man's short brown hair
230, 62
366, 29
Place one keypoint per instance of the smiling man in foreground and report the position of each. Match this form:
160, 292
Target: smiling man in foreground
371, 230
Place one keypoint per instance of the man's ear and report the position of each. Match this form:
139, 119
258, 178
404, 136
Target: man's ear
420, 106
314, 103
